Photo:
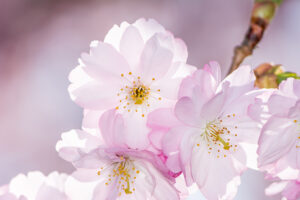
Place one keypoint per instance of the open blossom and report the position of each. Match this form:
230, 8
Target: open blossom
137, 68
119, 172
35, 186
202, 135
288, 189
279, 143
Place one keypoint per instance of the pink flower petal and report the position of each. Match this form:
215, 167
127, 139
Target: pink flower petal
93, 95
89, 175
215, 69
186, 111
131, 46
275, 188
277, 107
276, 140
180, 50
148, 28
212, 109
136, 132
240, 82
155, 60
155, 138
76, 142
91, 119
112, 128
46, 192
210, 172
104, 62
171, 146
114, 35
162, 118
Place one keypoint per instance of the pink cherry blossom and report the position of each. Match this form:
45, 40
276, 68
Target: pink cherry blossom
288, 189
137, 68
202, 135
119, 172
279, 143
35, 186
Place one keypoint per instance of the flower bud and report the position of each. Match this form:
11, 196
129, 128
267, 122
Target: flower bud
270, 76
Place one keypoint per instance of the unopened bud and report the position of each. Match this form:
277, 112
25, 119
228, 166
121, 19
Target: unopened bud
266, 75
264, 11
270, 76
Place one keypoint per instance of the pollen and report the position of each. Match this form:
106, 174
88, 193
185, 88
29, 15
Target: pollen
139, 93
122, 176
136, 96
218, 138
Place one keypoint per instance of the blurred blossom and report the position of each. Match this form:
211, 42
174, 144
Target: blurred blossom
35, 186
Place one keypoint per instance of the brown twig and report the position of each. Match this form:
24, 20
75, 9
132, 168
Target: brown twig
262, 13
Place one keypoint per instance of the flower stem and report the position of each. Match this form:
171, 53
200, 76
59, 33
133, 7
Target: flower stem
262, 14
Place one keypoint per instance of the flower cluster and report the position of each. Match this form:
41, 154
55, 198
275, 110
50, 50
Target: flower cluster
151, 120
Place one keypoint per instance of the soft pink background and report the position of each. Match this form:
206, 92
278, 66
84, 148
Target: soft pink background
40, 41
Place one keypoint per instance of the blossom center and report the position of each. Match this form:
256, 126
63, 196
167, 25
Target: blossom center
136, 96
218, 138
122, 175
139, 93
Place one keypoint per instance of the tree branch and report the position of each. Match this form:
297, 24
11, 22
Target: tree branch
262, 14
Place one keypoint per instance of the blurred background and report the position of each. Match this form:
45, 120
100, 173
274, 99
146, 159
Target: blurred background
41, 40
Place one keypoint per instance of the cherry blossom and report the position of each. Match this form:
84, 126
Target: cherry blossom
119, 172
137, 68
279, 143
35, 186
202, 135
288, 189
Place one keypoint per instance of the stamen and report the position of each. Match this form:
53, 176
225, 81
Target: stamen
218, 138
122, 172
135, 93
